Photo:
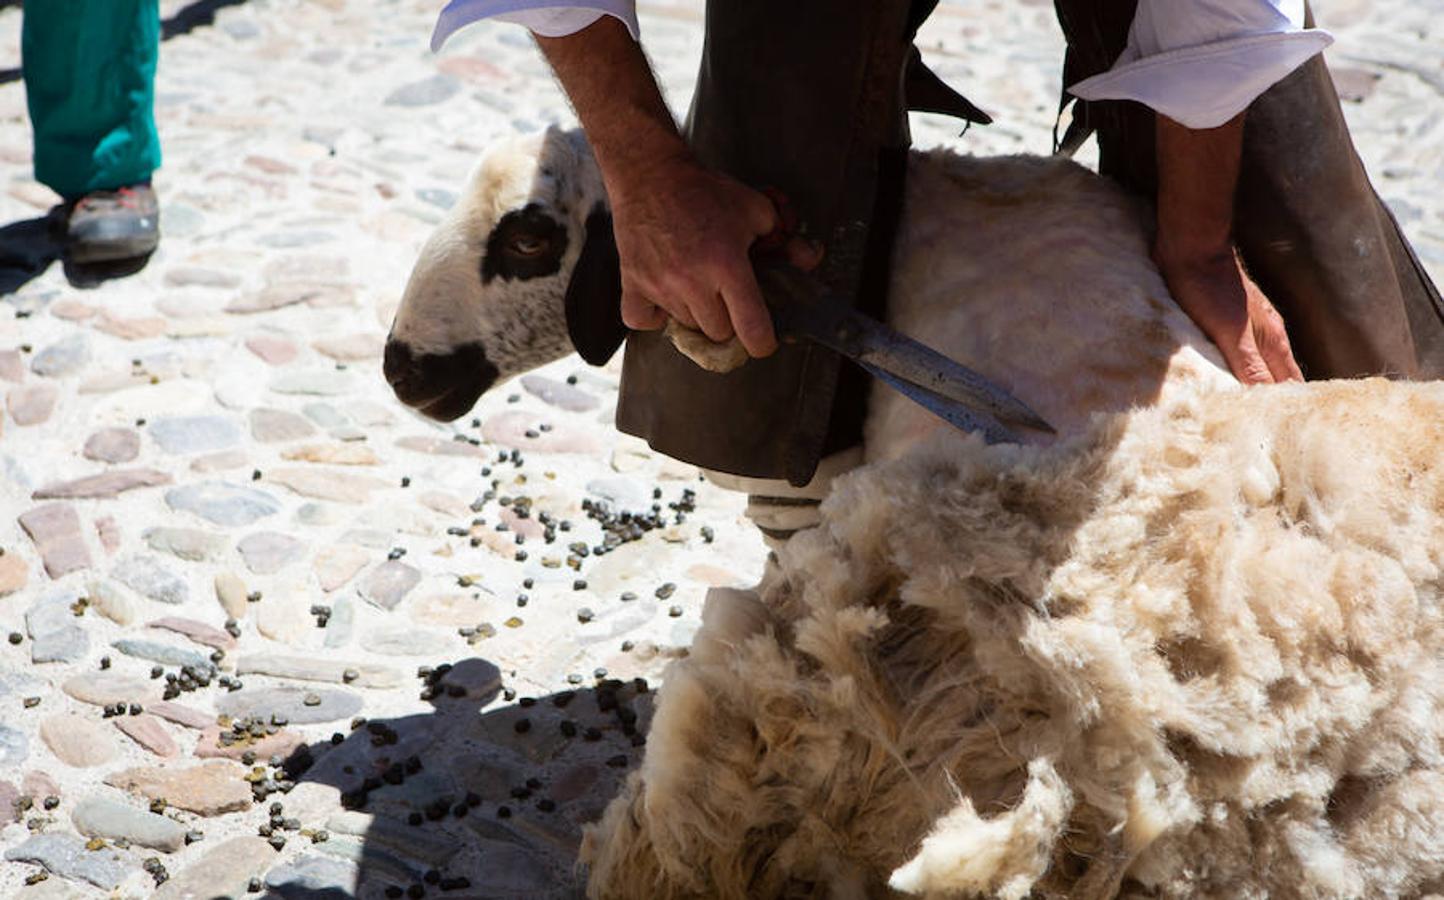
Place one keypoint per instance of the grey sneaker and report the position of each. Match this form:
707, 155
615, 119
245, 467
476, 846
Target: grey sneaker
105, 226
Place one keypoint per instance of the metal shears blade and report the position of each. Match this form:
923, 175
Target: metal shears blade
803, 309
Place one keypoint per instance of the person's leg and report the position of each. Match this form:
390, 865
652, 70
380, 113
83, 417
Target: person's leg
89, 68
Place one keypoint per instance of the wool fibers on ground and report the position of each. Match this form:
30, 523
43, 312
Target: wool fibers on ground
1196, 652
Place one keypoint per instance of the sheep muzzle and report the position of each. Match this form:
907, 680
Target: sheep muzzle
441, 386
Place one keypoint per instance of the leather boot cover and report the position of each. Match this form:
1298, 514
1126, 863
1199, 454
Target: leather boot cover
1307, 222
802, 96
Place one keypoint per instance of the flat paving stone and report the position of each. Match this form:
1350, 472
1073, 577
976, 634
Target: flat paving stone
55, 637
164, 654
66, 855
14, 747
307, 668
102, 486
32, 404
271, 426
108, 688
149, 577
111, 600
55, 529
78, 741
389, 583
65, 357
326, 484
268, 552
199, 632
147, 731
209, 788
15, 574
98, 817
112, 445
190, 544
312, 876
222, 871
223, 504
186, 435
289, 704
559, 394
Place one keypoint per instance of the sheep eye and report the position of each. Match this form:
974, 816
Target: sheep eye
525, 243
528, 245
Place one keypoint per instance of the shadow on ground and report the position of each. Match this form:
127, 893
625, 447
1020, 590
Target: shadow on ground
466, 803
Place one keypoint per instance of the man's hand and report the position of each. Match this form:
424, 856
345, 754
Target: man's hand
1197, 177
683, 234
1226, 304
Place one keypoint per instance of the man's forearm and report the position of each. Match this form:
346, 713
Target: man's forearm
1197, 177
611, 86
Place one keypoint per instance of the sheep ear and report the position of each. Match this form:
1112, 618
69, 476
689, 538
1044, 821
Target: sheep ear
594, 295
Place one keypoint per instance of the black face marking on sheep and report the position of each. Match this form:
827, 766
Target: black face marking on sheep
526, 243
443, 386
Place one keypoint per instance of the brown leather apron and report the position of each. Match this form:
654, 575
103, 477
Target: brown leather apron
804, 96
1310, 228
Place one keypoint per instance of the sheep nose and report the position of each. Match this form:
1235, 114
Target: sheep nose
442, 386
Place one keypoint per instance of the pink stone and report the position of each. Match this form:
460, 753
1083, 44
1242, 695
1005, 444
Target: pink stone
12, 367
148, 731
512, 429
108, 530
270, 166
13, 574
32, 405
339, 564
181, 715
39, 784
72, 310
131, 329
444, 503
208, 746
77, 741
112, 445
220, 462
351, 347
528, 528
211, 788
102, 486
275, 350
439, 447
199, 632
322, 484
55, 529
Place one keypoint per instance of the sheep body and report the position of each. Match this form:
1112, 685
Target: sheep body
1195, 652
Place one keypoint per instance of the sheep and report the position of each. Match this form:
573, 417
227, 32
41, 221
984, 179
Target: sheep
1192, 647
1031, 270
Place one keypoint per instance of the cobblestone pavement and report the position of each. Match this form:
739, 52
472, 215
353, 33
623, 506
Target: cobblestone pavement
225, 545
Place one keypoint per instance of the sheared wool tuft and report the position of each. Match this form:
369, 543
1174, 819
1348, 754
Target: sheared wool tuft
1197, 651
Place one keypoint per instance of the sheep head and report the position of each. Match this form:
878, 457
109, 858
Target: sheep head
487, 297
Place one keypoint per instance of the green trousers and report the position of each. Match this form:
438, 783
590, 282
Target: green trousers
89, 68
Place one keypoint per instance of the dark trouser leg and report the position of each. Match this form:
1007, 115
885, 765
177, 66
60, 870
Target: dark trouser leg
1308, 224
89, 69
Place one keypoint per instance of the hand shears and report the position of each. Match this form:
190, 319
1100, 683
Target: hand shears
803, 309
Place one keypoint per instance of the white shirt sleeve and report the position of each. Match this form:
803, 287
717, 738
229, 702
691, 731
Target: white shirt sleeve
548, 18
1202, 62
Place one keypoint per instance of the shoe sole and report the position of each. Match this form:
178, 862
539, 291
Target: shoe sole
111, 251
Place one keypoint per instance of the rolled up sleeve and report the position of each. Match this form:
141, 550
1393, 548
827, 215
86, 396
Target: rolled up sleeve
1202, 62
547, 18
